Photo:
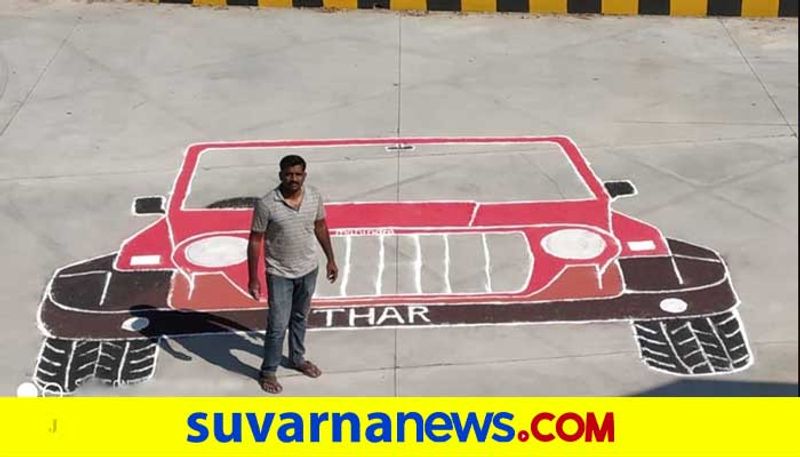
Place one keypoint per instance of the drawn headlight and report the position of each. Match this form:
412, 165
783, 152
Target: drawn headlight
574, 244
217, 251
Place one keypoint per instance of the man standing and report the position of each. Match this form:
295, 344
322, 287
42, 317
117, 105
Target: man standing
291, 216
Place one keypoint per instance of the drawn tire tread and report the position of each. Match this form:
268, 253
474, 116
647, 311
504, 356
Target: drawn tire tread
64, 364
126, 362
701, 345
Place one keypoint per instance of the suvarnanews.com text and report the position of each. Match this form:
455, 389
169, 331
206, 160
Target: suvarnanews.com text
399, 427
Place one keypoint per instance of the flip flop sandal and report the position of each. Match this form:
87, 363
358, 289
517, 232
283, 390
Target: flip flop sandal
270, 384
309, 369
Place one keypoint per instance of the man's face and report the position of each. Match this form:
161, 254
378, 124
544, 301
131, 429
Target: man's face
292, 178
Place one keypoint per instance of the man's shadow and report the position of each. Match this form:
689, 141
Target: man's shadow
211, 337
217, 349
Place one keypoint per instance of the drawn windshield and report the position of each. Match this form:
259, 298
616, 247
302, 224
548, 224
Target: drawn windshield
232, 178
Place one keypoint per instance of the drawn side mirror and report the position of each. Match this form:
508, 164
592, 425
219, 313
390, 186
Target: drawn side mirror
148, 205
618, 189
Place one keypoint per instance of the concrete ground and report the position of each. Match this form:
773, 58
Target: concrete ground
98, 100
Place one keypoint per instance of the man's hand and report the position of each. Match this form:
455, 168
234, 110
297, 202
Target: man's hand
255, 289
254, 250
324, 238
332, 271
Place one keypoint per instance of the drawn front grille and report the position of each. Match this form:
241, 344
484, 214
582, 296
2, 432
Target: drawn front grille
458, 263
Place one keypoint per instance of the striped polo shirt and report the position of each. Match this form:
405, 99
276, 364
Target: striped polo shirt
290, 240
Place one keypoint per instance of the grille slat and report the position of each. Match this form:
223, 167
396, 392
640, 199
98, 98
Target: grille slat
414, 264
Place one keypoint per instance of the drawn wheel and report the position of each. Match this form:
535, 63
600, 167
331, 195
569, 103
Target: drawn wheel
235, 202
702, 345
64, 364
126, 362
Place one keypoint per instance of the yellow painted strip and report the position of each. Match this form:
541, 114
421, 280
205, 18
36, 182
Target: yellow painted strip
760, 8
209, 2
340, 4
481, 6
275, 3
623, 426
688, 7
620, 7
548, 6
402, 5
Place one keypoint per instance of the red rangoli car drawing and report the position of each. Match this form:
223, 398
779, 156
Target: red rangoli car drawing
545, 246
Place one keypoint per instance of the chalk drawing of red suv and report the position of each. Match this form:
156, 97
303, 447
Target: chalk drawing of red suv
544, 246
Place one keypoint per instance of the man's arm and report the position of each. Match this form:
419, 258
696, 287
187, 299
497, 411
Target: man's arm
254, 247
324, 238
254, 250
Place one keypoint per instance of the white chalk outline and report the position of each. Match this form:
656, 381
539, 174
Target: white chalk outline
336, 302
192, 256
575, 160
432, 141
487, 264
84, 273
426, 141
448, 289
549, 250
735, 312
163, 254
191, 271
676, 270
348, 249
417, 263
330, 300
105, 289
381, 264
635, 190
434, 326
474, 214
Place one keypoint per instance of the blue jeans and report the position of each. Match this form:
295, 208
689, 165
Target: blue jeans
289, 301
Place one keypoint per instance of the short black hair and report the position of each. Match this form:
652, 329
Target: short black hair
292, 160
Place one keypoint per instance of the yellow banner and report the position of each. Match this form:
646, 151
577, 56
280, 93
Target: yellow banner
399, 426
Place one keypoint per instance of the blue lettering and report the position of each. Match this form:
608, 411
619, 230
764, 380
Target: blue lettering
316, 421
498, 423
383, 424
402, 418
463, 431
194, 422
260, 431
355, 427
294, 425
236, 428
431, 427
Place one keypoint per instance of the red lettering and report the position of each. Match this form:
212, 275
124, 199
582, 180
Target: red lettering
544, 437
565, 435
604, 432
571, 427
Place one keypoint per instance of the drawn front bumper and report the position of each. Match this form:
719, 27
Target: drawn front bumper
91, 300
